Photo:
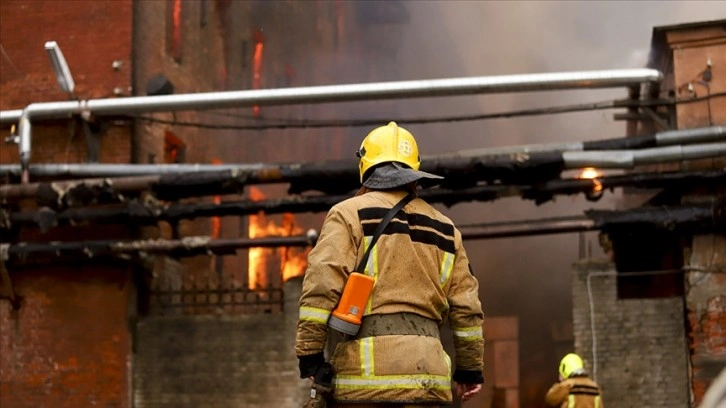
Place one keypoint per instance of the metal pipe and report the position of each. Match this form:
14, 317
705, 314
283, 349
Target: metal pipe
324, 94
667, 138
692, 218
188, 246
10, 116
513, 168
627, 159
350, 92
125, 170
137, 213
696, 135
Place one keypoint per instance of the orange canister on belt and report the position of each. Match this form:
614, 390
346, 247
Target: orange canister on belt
346, 318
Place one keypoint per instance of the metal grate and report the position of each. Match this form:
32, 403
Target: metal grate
208, 299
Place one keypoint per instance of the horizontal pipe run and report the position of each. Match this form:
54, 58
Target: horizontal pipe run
604, 158
77, 193
338, 93
140, 214
627, 159
696, 135
676, 218
98, 170
10, 116
659, 139
324, 94
189, 246
338, 177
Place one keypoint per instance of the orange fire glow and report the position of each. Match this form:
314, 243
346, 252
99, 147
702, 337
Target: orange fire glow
176, 29
216, 224
592, 173
292, 261
257, 68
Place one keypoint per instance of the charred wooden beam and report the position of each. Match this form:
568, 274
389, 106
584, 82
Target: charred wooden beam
329, 178
6, 288
525, 164
678, 219
139, 214
174, 186
185, 247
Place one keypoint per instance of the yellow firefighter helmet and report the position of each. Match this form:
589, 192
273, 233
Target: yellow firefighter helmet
389, 143
571, 364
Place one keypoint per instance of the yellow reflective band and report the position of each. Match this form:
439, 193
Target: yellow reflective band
371, 270
366, 357
571, 401
369, 263
384, 382
468, 333
447, 264
314, 314
597, 401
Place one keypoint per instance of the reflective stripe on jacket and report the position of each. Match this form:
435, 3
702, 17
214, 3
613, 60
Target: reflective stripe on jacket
420, 267
577, 392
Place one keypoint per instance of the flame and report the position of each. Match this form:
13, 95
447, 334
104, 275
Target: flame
292, 261
592, 173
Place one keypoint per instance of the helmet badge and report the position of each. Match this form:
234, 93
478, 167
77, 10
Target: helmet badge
405, 148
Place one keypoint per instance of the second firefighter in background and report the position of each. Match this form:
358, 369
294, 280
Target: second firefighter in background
422, 277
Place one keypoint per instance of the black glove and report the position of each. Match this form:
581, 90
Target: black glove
322, 387
468, 376
324, 375
310, 364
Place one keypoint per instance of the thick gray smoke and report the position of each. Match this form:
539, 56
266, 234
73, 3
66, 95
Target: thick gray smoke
528, 277
524, 277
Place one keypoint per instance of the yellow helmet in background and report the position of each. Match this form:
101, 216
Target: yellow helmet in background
571, 364
389, 143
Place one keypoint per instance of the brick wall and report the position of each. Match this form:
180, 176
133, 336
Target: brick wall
68, 344
219, 361
691, 49
27, 76
640, 344
706, 307
217, 48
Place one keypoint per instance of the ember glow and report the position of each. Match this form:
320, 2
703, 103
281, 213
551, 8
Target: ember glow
291, 261
216, 223
592, 173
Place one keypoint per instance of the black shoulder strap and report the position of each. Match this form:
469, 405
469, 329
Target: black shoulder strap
381, 226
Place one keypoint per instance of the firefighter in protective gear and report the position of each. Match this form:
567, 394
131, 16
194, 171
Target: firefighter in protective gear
422, 276
574, 388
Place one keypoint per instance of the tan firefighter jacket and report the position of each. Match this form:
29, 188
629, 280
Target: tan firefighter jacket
577, 392
420, 267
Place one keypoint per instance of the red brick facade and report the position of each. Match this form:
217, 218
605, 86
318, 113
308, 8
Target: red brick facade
69, 344
92, 35
692, 50
684, 53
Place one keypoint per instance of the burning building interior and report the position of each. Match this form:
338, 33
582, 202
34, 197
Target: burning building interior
159, 205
